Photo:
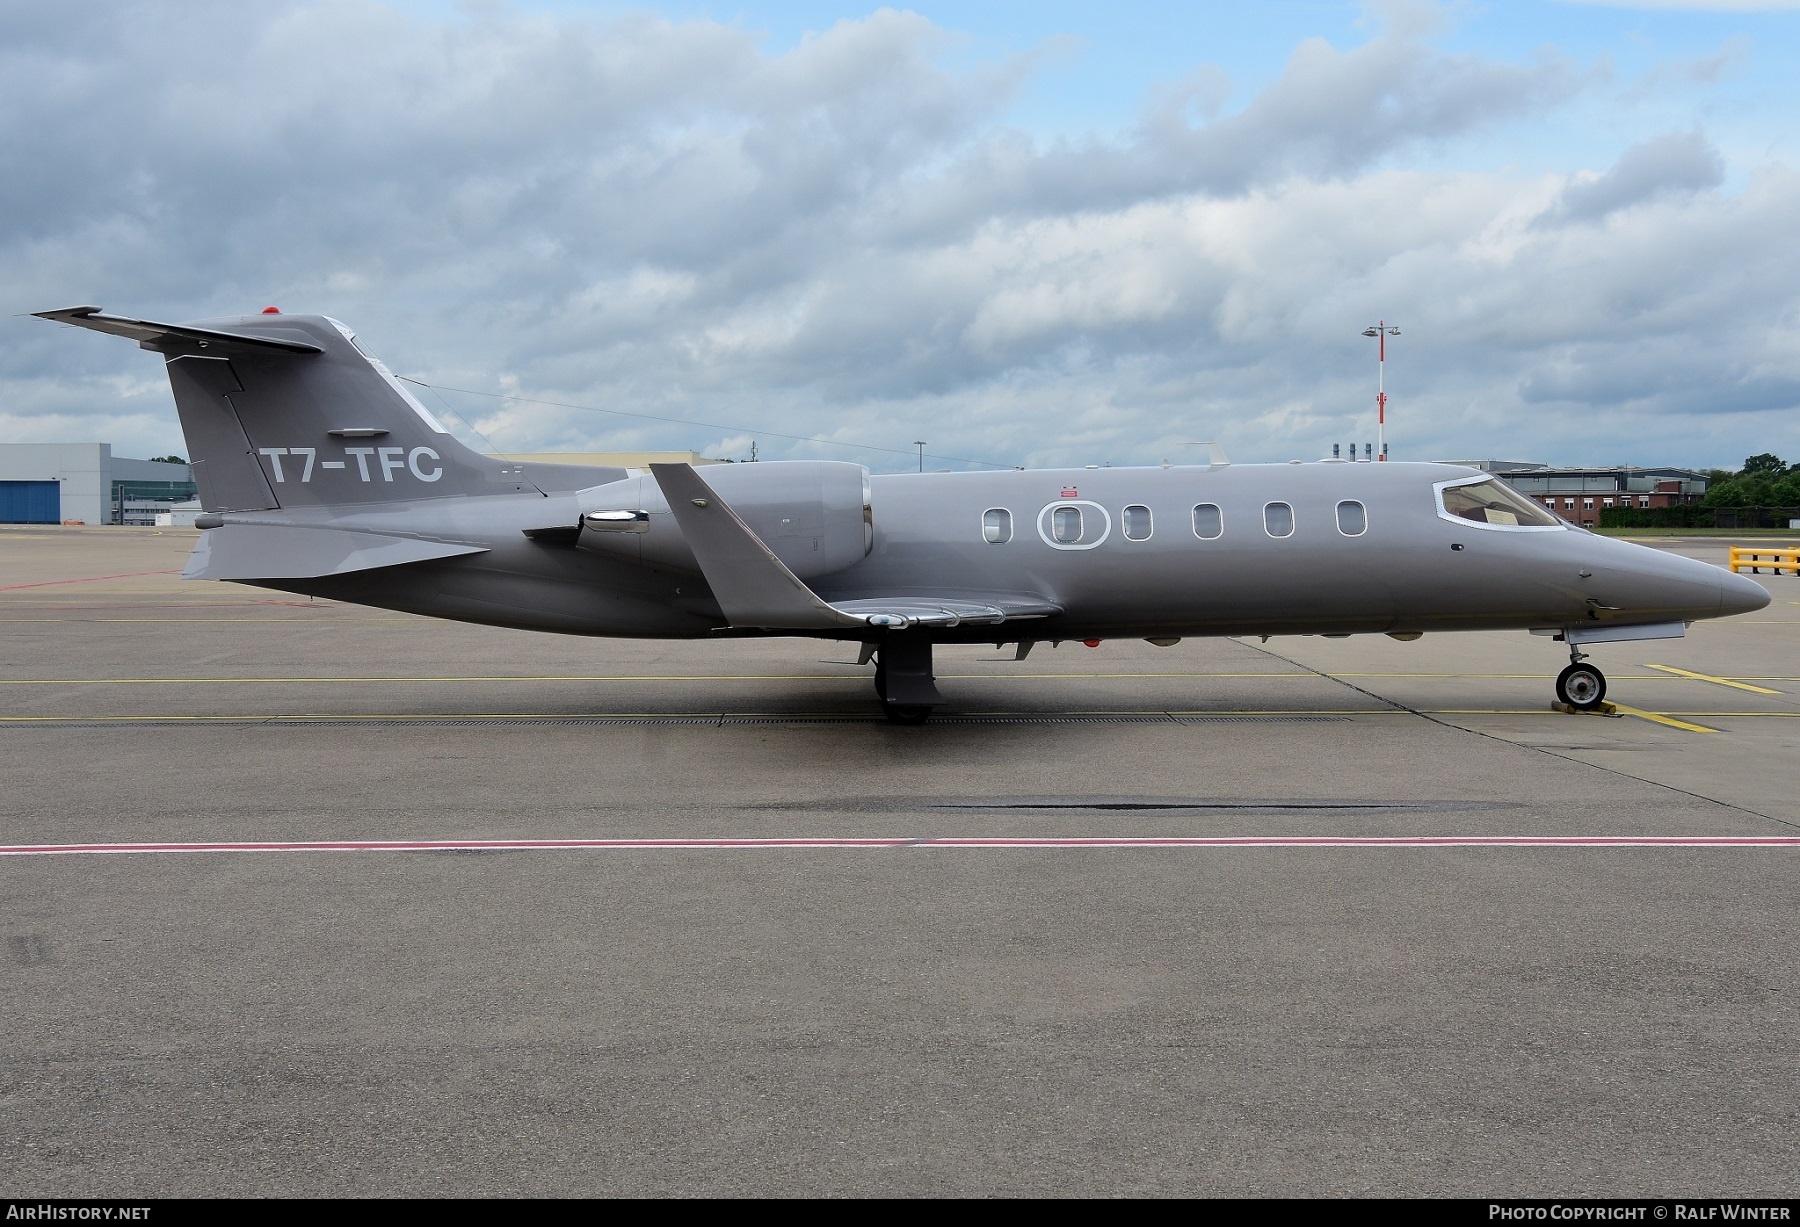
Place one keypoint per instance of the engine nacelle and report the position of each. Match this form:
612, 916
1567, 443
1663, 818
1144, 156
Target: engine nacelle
814, 514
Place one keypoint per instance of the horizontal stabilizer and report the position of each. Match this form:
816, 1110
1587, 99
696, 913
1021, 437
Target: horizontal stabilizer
149, 331
273, 551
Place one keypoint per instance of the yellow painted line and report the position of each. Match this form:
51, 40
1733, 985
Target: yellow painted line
1323, 674
1659, 718
1179, 714
644, 677
1622, 708
1707, 677
187, 620
1487, 711
295, 717
277, 717
1671, 719
300, 717
648, 677
743, 677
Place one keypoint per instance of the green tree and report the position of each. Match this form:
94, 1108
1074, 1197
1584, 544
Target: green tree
1741, 492
1767, 464
170, 459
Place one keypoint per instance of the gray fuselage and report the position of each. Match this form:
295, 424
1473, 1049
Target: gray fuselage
1411, 569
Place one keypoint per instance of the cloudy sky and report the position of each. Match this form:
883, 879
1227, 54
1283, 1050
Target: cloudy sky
1029, 233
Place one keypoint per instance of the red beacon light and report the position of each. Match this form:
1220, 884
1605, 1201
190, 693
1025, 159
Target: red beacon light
271, 311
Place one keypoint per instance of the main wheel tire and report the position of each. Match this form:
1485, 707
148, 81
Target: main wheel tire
1582, 687
904, 713
881, 678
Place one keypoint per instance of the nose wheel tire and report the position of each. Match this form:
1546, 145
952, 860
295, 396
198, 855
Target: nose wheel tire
1581, 686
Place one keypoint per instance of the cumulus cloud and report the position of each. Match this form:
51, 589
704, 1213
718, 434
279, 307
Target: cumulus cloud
1677, 162
844, 242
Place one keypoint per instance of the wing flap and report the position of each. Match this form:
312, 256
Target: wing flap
266, 551
904, 611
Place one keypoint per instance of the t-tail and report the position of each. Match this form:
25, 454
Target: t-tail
288, 411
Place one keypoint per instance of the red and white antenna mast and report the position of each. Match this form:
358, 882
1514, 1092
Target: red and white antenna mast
1381, 332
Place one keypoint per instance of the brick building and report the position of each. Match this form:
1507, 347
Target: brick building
1580, 494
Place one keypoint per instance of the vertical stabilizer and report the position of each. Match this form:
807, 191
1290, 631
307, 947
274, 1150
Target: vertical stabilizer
288, 411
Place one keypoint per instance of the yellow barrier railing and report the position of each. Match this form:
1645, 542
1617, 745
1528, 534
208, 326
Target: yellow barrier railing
1750, 557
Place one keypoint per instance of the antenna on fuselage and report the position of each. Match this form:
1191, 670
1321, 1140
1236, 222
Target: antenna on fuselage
1215, 453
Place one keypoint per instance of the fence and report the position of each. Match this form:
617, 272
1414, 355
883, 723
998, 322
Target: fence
1754, 558
1687, 515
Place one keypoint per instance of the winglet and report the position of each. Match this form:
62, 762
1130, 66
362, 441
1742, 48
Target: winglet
752, 585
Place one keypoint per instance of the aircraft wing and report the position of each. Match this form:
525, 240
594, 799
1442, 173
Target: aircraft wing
273, 551
756, 589
752, 585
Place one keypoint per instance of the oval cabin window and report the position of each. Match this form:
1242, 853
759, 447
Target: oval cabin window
1353, 518
1278, 519
1137, 523
1065, 525
996, 525
1209, 521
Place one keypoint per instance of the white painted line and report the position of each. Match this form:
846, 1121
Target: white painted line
942, 842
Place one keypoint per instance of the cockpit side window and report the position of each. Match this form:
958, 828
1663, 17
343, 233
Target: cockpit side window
1492, 502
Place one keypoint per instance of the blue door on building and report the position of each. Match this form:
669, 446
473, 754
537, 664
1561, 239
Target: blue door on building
30, 502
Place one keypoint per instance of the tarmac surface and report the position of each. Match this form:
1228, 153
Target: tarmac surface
1012, 952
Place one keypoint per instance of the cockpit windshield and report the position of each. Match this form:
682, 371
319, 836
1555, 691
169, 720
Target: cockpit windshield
1492, 501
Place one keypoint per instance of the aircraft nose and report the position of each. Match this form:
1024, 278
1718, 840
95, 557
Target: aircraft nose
1740, 594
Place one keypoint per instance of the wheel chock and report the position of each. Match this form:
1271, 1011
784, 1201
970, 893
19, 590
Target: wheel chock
1605, 709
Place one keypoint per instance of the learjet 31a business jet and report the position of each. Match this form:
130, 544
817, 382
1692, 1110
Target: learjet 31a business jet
319, 473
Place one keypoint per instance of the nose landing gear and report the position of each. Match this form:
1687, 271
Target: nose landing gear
1581, 685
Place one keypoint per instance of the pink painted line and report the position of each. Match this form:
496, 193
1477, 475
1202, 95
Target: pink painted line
949, 842
89, 579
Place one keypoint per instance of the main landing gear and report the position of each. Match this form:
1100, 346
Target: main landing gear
904, 680
1581, 685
